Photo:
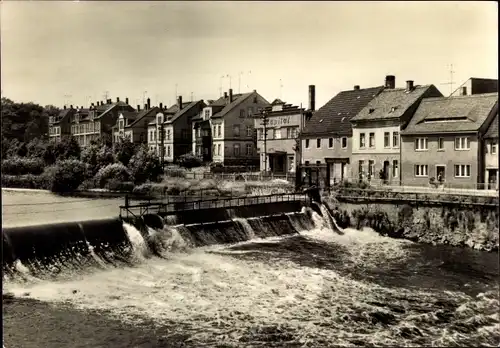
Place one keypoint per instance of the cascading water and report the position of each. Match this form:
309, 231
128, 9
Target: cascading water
281, 281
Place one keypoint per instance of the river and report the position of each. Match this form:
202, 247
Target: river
317, 288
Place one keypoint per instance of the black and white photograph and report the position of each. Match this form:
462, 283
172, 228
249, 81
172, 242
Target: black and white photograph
256, 174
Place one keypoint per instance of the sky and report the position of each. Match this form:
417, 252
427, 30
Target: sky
76, 52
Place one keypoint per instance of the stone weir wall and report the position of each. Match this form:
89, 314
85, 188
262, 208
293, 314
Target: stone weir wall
454, 223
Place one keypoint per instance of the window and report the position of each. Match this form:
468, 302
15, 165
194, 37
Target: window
318, 143
215, 133
242, 113
277, 133
249, 149
236, 149
362, 140
236, 130
307, 143
168, 150
493, 146
421, 170
290, 164
155, 132
371, 167
307, 163
249, 131
218, 149
361, 164
440, 144
318, 163
289, 133
387, 139
421, 144
462, 170
295, 132
250, 111
344, 142
395, 139
219, 130
330, 143
260, 133
395, 168
207, 114
462, 143
168, 134
371, 140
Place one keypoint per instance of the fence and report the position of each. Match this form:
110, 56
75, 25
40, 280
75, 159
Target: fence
170, 207
248, 176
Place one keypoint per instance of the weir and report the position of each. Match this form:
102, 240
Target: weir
51, 248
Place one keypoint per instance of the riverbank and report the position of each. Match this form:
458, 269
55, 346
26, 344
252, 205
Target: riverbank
458, 221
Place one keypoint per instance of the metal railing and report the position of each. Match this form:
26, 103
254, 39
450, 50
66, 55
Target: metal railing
171, 207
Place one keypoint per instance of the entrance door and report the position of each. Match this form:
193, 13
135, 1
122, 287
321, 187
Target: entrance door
440, 173
492, 179
386, 171
280, 164
342, 171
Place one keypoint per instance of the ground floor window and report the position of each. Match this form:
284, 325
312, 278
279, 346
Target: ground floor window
395, 168
421, 170
290, 164
462, 170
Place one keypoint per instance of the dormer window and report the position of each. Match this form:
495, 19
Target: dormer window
159, 118
393, 108
371, 110
51, 119
120, 124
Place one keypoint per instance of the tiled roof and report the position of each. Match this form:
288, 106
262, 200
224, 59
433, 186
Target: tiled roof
452, 114
62, 114
143, 113
391, 104
237, 99
185, 109
334, 116
492, 131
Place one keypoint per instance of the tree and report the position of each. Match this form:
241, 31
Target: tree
189, 160
124, 150
67, 148
144, 166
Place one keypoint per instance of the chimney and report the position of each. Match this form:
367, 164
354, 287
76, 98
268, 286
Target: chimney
179, 102
409, 85
71, 106
230, 95
225, 95
390, 81
109, 101
161, 106
138, 107
126, 101
117, 99
145, 106
149, 103
356, 87
64, 107
92, 104
312, 97
464, 90
255, 91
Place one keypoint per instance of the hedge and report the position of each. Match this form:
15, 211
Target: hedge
22, 166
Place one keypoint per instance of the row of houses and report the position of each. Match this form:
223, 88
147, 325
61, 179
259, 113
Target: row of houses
396, 135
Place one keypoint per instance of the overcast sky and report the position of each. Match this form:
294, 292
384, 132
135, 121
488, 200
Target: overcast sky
54, 52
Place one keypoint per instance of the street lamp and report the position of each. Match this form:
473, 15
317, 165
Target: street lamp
265, 120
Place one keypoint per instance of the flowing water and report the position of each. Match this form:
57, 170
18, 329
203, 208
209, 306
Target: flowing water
313, 288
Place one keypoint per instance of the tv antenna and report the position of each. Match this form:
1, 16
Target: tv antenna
281, 89
220, 88
451, 83
105, 95
239, 81
229, 76
67, 98
144, 97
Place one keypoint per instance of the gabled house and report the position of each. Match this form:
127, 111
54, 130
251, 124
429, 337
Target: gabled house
376, 129
133, 126
444, 141
490, 150
476, 85
60, 125
233, 128
89, 124
177, 130
327, 136
283, 123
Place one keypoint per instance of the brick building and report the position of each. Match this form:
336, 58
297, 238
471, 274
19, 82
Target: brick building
376, 129
445, 140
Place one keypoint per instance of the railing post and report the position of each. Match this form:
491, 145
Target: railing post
126, 201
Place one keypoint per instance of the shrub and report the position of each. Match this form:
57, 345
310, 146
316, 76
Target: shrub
116, 171
190, 160
22, 166
27, 181
104, 157
145, 166
67, 148
68, 175
124, 150
175, 172
121, 186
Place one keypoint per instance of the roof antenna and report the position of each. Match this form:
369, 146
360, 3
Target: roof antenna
451, 80
281, 89
229, 80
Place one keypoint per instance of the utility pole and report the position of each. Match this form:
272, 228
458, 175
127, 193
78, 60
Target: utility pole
265, 120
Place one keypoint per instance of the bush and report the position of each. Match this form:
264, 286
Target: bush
115, 171
124, 150
145, 166
104, 157
68, 175
22, 166
19, 181
175, 172
190, 160
121, 186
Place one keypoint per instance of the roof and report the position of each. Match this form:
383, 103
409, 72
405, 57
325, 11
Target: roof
452, 114
334, 116
479, 86
391, 104
129, 115
141, 114
62, 114
492, 131
237, 100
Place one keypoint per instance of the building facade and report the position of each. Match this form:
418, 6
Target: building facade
376, 129
475, 86
60, 125
133, 126
490, 150
444, 141
233, 129
278, 150
326, 141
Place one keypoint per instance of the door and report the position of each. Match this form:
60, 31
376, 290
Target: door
342, 171
492, 179
386, 171
440, 174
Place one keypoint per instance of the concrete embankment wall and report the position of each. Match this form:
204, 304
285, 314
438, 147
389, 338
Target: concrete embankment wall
454, 223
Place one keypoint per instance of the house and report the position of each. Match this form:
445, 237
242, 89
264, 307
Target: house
476, 85
176, 123
444, 140
490, 150
376, 129
133, 125
326, 140
283, 123
233, 128
90, 124
60, 125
